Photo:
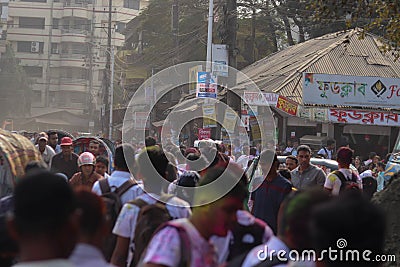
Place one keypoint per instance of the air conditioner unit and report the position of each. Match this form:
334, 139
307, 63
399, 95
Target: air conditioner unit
35, 47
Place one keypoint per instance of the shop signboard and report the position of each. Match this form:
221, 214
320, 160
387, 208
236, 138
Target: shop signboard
367, 117
343, 90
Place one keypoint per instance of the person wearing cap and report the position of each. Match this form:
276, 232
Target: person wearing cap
333, 183
87, 176
66, 161
45, 150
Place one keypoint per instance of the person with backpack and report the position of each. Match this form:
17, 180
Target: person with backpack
186, 242
327, 151
344, 178
118, 189
140, 218
123, 163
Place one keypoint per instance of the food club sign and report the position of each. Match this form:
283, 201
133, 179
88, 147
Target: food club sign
342, 90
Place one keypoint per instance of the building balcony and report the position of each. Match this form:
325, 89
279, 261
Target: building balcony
79, 11
68, 60
73, 35
34, 9
25, 34
68, 85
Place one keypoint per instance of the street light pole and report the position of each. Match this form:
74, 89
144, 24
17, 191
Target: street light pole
209, 35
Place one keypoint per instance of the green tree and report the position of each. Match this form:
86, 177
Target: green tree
15, 97
376, 16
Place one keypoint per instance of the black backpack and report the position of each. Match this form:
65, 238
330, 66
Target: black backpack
150, 218
347, 184
238, 245
113, 203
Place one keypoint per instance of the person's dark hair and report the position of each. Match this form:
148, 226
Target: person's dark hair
196, 162
150, 141
344, 155
51, 133
293, 158
187, 179
120, 161
330, 142
285, 173
253, 151
34, 166
294, 215
94, 142
353, 218
152, 164
93, 211
103, 160
43, 203
304, 148
381, 164
372, 155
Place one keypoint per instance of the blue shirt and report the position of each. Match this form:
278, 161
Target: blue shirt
268, 198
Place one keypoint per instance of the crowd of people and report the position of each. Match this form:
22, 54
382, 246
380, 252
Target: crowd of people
165, 206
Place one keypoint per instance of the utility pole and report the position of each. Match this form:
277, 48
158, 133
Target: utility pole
107, 75
110, 131
90, 100
232, 100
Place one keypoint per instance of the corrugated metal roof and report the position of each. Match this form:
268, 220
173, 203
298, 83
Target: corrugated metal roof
336, 53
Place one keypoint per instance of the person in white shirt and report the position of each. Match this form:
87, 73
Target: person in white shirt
327, 151
209, 218
335, 182
92, 229
152, 163
245, 157
45, 150
123, 162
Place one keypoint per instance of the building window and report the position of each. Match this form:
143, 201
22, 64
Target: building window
56, 23
30, 47
54, 48
31, 23
132, 4
120, 27
24, 46
33, 71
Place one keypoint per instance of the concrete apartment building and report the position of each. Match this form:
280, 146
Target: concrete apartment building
62, 45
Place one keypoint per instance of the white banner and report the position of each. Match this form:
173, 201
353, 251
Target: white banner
342, 90
220, 60
260, 99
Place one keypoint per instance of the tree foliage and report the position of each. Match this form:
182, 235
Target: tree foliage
15, 100
376, 16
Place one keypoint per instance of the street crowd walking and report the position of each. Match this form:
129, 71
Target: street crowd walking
152, 209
